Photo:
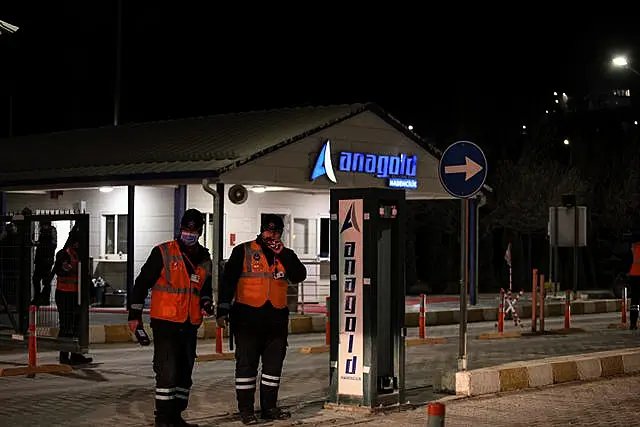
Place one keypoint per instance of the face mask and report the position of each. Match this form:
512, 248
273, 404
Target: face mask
189, 239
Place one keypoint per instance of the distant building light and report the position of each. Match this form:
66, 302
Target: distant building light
635, 122
555, 93
524, 126
557, 101
565, 142
410, 127
546, 111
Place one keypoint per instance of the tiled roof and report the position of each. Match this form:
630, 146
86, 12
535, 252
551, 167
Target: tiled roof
169, 148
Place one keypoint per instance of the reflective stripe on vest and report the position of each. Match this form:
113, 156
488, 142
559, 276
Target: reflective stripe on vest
635, 267
258, 282
175, 296
69, 281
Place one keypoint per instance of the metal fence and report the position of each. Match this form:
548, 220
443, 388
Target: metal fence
309, 297
27, 277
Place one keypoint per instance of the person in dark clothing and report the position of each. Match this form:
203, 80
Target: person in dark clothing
43, 263
9, 266
178, 273
631, 263
258, 274
66, 269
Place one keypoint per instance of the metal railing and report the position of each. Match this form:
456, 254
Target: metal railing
309, 297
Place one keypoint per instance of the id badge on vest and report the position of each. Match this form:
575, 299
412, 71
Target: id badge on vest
195, 278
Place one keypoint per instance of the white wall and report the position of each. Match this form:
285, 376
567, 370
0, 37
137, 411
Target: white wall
244, 219
153, 220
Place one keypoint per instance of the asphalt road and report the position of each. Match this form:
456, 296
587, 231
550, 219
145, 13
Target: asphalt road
119, 390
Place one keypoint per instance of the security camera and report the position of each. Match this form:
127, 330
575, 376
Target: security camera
5, 27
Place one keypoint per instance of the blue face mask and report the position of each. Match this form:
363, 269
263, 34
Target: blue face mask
189, 239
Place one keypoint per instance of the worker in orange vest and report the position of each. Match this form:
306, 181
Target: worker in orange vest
66, 296
178, 273
634, 285
258, 274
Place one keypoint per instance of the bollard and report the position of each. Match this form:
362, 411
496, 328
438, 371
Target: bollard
435, 415
567, 309
624, 305
327, 325
541, 296
534, 300
501, 312
33, 314
421, 331
219, 340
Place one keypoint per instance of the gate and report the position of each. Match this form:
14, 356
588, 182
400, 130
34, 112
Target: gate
63, 317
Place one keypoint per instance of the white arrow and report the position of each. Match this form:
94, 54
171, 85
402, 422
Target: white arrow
470, 168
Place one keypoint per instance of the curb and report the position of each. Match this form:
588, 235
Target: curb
299, 324
543, 372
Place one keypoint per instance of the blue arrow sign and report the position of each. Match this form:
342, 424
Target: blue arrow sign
463, 169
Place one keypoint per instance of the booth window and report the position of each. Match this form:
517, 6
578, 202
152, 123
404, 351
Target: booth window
304, 236
115, 234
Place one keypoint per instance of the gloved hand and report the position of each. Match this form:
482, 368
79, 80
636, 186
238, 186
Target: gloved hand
222, 315
206, 306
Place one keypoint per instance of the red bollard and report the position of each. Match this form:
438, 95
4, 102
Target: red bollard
422, 324
624, 305
501, 312
534, 301
33, 314
541, 294
567, 309
327, 324
435, 415
219, 340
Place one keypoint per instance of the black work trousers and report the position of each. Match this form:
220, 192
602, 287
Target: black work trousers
68, 313
41, 280
634, 295
174, 353
254, 341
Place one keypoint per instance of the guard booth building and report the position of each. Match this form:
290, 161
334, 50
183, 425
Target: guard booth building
136, 180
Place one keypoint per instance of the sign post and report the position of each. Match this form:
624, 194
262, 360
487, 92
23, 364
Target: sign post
463, 171
367, 298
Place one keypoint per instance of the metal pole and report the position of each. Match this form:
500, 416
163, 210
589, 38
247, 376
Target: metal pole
556, 258
472, 253
576, 242
464, 282
215, 252
116, 94
131, 245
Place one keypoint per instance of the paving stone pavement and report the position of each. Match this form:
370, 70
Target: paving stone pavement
119, 391
607, 402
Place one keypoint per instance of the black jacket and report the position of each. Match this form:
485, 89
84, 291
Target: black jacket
151, 271
296, 273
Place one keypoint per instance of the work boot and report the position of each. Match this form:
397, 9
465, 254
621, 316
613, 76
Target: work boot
248, 418
78, 359
275, 414
64, 358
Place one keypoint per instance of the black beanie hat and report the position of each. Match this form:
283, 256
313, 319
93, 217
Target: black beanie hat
272, 222
192, 220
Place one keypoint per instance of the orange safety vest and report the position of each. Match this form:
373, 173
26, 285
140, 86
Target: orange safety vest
635, 267
176, 295
68, 282
260, 282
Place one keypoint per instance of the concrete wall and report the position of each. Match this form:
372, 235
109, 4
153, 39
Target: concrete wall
244, 220
153, 220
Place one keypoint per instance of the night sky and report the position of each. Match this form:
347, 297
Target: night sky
448, 76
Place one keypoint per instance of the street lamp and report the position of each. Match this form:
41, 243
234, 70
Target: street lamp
621, 61
565, 142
